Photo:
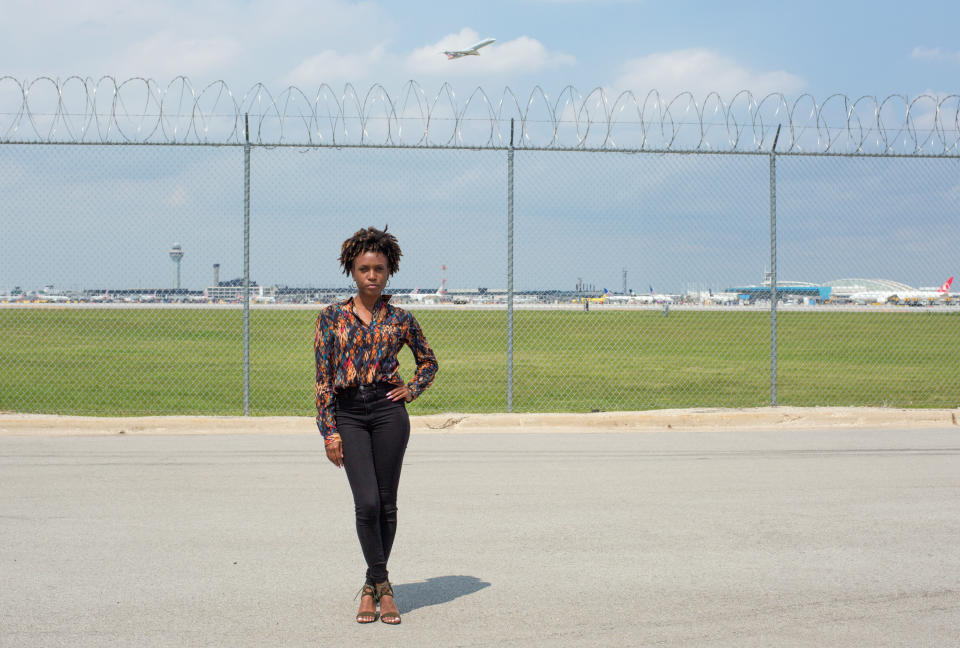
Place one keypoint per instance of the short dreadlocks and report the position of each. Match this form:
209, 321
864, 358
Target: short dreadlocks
370, 240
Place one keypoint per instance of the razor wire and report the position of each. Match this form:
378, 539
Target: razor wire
79, 110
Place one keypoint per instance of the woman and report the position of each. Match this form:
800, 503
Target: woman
361, 399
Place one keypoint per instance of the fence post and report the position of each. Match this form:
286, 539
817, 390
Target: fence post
773, 269
510, 272
246, 265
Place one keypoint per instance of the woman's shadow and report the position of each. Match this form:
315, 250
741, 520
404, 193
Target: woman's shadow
436, 590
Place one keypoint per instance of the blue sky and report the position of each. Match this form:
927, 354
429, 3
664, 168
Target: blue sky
875, 48
94, 217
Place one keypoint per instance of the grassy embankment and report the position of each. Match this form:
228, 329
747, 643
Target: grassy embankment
189, 361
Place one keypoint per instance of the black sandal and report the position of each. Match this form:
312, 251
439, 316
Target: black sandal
390, 618
367, 617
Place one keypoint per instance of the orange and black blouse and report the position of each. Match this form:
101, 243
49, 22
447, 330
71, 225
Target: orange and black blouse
350, 353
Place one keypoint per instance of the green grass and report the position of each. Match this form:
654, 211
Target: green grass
189, 361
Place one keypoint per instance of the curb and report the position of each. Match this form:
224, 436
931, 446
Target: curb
760, 418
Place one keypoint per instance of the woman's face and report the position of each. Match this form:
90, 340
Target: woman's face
370, 271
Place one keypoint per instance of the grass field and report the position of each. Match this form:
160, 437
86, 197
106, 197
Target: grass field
190, 361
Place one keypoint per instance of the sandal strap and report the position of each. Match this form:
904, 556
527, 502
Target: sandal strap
367, 590
384, 589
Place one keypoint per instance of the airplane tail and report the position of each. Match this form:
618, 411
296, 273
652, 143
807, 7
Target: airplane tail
945, 288
442, 290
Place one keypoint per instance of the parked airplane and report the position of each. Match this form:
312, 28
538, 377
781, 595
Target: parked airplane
16, 296
914, 296
609, 296
654, 298
420, 297
470, 51
593, 300
48, 294
723, 298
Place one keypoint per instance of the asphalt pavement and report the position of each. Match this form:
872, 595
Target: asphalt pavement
818, 537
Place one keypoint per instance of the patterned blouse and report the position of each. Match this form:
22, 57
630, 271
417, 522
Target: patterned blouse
350, 353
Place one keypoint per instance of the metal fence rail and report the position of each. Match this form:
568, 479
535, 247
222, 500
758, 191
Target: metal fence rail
682, 207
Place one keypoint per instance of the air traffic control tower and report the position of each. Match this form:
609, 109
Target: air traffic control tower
176, 254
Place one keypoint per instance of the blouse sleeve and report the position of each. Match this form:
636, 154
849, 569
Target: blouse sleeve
424, 357
323, 353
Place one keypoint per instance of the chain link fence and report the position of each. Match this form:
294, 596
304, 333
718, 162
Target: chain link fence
870, 217
546, 278
666, 225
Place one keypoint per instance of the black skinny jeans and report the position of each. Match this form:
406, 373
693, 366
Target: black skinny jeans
374, 432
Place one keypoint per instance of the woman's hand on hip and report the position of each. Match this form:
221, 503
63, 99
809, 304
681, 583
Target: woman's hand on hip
335, 453
400, 392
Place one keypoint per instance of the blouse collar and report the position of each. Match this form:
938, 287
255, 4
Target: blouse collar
384, 298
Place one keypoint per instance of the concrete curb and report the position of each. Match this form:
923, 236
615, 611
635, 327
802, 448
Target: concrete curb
761, 418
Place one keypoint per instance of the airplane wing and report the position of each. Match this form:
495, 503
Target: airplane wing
455, 54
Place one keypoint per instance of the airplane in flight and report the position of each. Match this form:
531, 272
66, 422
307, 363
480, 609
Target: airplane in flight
470, 51
910, 296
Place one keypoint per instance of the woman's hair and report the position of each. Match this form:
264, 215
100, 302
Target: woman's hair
370, 240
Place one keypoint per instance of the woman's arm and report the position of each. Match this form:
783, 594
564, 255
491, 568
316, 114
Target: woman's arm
322, 351
424, 357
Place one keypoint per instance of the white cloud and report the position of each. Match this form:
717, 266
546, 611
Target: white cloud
935, 54
255, 40
164, 56
520, 55
328, 66
80, 13
701, 71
